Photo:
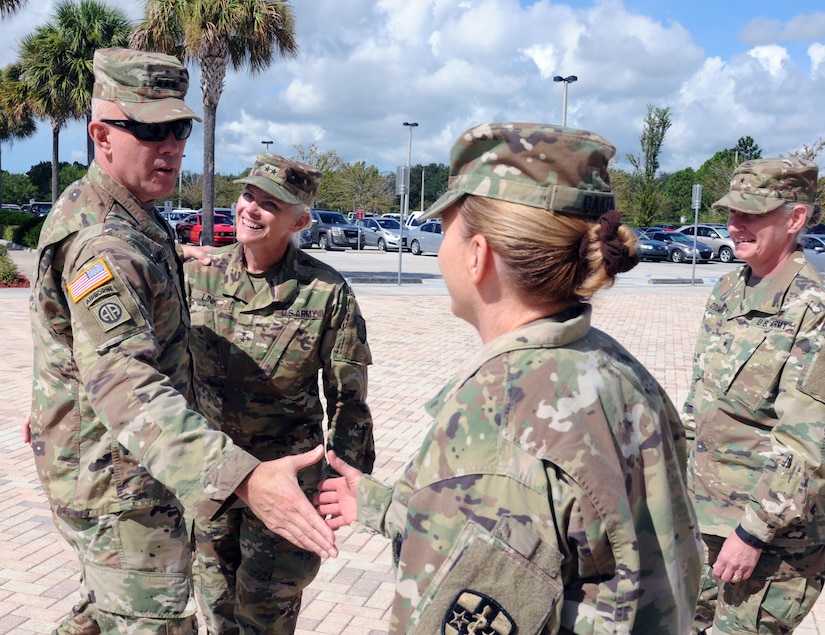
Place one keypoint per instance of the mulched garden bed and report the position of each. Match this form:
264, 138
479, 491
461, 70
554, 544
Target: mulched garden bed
22, 282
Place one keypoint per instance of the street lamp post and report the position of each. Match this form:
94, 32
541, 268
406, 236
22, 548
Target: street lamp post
567, 81
267, 144
406, 203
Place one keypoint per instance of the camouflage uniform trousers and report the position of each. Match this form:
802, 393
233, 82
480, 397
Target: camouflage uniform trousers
247, 578
771, 601
135, 573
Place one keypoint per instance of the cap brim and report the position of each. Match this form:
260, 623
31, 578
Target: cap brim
449, 198
271, 188
748, 203
157, 110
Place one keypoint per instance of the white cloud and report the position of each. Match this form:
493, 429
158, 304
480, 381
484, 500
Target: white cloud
366, 66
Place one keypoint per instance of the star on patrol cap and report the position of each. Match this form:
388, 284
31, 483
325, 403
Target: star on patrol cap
148, 87
540, 165
289, 181
762, 185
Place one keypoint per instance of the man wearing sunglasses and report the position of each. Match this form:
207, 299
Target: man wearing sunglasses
118, 448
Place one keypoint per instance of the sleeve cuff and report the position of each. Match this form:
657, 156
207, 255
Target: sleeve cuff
749, 539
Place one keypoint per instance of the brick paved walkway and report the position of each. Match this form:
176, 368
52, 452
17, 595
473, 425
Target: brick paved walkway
417, 344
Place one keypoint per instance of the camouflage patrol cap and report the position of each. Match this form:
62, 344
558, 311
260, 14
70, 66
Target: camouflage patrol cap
289, 181
147, 87
540, 165
762, 185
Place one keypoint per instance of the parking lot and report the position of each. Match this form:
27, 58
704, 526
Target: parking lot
417, 343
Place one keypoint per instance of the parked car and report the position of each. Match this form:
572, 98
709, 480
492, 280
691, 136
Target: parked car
717, 237
331, 229
650, 249
382, 232
305, 238
681, 246
222, 211
426, 237
190, 230
175, 216
38, 208
414, 219
814, 247
11, 207
816, 242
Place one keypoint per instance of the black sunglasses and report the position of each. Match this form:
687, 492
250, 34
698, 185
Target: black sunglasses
181, 128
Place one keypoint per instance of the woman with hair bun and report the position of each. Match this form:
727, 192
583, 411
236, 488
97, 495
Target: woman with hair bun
549, 495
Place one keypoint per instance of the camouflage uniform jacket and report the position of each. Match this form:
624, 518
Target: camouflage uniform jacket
258, 356
757, 408
549, 493
111, 427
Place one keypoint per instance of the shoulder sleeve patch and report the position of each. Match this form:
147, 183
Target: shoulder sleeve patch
93, 276
812, 381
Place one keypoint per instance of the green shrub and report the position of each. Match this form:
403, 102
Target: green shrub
30, 237
4, 251
8, 270
9, 231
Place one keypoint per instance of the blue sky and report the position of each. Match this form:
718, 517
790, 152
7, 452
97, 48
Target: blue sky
726, 69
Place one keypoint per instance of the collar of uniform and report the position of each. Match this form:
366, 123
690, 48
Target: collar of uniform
148, 222
236, 283
543, 333
769, 297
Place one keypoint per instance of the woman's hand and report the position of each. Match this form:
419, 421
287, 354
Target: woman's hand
336, 500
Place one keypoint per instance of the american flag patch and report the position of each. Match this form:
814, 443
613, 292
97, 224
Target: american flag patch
89, 279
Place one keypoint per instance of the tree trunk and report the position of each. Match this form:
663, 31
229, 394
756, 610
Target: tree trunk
208, 204
55, 162
90, 145
213, 72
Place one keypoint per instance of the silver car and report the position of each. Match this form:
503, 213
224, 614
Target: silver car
814, 247
381, 232
717, 237
426, 238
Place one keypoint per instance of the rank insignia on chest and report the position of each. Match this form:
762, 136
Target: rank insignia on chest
94, 275
475, 613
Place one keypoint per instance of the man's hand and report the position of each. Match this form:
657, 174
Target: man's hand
26, 429
272, 492
336, 498
736, 560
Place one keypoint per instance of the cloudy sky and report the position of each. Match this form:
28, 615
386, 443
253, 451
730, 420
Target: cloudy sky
726, 68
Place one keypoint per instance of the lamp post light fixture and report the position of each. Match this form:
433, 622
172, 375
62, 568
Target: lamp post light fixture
267, 144
405, 207
567, 81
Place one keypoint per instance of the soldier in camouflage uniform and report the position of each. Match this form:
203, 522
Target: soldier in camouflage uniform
549, 495
117, 448
756, 412
266, 320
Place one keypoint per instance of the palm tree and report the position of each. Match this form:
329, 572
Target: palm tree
217, 34
57, 63
16, 120
87, 26
46, 61
9, 7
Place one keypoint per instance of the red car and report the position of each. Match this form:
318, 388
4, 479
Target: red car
189, 230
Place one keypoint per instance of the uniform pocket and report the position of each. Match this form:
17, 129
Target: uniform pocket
486, 585
755, 365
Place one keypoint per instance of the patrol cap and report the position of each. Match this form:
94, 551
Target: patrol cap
287, 180
544, 166
762, 185
147, 87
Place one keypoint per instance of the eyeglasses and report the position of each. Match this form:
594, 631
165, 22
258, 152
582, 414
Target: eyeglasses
181, 128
